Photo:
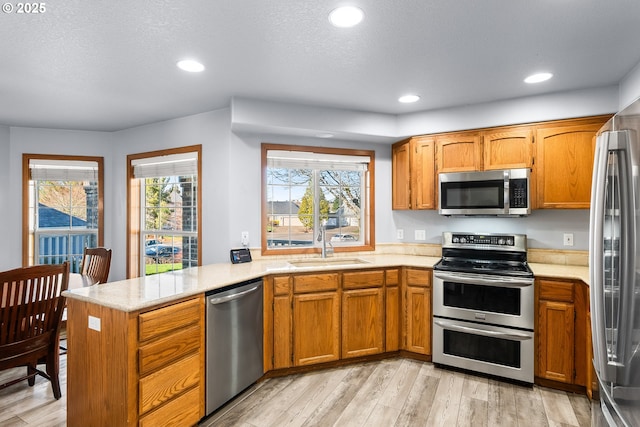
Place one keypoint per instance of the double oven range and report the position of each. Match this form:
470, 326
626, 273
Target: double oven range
483, 305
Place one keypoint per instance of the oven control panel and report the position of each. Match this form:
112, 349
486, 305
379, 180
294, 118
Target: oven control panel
479, 239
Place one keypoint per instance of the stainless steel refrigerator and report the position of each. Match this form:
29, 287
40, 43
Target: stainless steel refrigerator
614, 261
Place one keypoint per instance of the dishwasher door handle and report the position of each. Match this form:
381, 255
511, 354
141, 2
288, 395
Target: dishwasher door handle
228, 298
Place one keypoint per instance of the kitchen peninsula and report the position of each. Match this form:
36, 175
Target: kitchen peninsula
136, 347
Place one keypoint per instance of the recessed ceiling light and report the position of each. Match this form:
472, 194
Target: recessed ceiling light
408, 99
346, 16
537, 78
190, 66
324, 135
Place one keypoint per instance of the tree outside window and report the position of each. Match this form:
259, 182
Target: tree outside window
306, 190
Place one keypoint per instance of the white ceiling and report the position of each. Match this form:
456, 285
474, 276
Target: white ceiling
110, 65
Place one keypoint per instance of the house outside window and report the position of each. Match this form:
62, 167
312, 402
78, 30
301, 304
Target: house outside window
63, 212
306, 189
167, 221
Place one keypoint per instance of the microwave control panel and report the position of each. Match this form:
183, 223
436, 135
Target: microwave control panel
518, 193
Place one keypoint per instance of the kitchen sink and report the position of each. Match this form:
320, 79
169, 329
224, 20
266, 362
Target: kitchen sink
327, 262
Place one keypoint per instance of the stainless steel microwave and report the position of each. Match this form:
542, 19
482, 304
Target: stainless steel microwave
491, 193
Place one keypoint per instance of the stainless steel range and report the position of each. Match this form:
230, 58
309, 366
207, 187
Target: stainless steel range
483, 305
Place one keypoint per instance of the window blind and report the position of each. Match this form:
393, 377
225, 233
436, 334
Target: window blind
63, 170
182, 164
310, 160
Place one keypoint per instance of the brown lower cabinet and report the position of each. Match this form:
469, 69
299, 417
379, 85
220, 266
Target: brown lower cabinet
563, 345
418, 310
325, 317
143, 368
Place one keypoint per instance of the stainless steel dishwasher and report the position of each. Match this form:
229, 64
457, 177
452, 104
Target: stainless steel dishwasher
233, 341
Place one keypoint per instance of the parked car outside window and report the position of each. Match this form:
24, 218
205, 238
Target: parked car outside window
343, 238
160, 251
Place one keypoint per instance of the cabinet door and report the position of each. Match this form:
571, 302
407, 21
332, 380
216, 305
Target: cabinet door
392, 315
423, 174
316, 326
459, 153
362, 322
282, 329
508, 149
418, 306
564, 165
556, 341
400, 181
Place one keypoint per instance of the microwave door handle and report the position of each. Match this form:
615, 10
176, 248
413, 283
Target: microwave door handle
507, 201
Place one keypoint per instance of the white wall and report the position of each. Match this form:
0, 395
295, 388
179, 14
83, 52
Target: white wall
554, 106
231, 178
44, 141
6, 204
210, 129
244, 202
630, 87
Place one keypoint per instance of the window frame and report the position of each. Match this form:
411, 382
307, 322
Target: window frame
368, 218
134, 226
26, 158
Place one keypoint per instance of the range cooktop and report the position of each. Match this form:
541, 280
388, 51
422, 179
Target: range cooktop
498, 254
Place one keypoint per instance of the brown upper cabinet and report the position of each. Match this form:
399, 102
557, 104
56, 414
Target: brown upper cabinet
401, 175
564, 163
508, 148
413, 164
460, 152
564, 148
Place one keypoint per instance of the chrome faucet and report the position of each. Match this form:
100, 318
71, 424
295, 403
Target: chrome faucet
322, 237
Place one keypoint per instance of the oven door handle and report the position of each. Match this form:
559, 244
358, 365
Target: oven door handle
504, 282
514, 336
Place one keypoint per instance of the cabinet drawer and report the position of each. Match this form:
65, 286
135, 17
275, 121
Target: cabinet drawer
416, 277
392, 277
363, 279
158, 322
315, 283
184, 410
556, 291
165, 350
281, 285
169, 382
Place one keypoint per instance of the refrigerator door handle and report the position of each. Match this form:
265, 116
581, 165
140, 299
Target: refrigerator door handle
606, 142
596, 250
627, 258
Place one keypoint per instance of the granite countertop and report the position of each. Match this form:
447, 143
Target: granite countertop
144, 292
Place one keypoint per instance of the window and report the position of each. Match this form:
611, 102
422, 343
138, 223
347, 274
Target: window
164, 221
306, 189
62, 210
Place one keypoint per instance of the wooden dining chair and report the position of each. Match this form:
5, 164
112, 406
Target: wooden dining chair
32, 305
96, 263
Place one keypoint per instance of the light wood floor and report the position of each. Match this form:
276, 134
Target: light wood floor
399, 392
394, 392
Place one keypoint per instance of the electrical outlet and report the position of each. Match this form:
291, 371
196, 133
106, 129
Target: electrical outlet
420, 235
400, 234
94, 323
244, 238
568, 239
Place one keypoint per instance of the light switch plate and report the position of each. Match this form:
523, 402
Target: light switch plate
420, 235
